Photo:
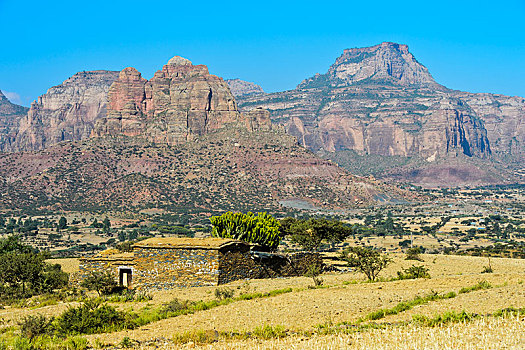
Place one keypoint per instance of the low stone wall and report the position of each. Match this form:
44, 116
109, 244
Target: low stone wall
165, 268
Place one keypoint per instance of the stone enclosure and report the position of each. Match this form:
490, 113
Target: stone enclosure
169, 262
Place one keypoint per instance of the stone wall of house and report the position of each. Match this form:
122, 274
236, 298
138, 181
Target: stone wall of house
235, 265
87, 266
167, 268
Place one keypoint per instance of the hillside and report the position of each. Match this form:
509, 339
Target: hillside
379, 106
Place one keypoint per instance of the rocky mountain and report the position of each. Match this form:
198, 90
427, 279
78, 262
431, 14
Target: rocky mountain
67, 112
378, 104
240, 87
179, 142
181, 102
10, 115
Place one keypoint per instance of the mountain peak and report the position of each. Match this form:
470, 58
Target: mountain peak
386, 63
179, 61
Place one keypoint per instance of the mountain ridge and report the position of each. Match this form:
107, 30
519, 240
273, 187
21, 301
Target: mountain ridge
381, 101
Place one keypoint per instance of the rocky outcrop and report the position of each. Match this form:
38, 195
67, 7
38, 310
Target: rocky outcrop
381, 101
181, 102
240, 87
10, 115
386, 63
67, 112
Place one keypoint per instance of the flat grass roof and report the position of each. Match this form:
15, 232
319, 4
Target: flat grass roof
187, 243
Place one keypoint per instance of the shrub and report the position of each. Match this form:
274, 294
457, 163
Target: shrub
313, 272
76, 343
91, 317
480, 285
414, 254
224, 293
176, 305
34, 326
413, 272
367, 260
103, 282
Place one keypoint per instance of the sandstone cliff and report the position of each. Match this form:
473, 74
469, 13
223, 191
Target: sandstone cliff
381, 101
67, 112
10, 115
181, 102
240, 87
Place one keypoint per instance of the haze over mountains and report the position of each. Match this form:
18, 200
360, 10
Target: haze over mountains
177, 141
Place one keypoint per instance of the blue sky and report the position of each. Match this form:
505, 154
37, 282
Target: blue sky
476, 46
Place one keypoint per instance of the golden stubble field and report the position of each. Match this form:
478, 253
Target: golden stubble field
345, 300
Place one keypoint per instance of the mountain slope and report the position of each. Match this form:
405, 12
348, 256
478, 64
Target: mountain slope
380, 101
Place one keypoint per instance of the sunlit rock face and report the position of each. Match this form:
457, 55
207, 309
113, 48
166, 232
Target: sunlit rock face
67, 112
182, 101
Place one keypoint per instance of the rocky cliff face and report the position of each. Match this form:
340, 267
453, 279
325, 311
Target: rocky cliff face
240, 87
181, 102
67, 112
381, 101
386, 63
10, 115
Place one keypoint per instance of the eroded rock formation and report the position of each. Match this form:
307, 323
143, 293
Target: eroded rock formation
10, 115
380, 101
67, 112
240, 87
182, 101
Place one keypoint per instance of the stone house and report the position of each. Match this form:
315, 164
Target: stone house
171, 262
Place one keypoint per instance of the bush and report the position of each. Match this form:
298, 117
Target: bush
224, 293
91, 317
313, 272
34, 326
413, 254
367, 260
176, 305
103, 282
413, 272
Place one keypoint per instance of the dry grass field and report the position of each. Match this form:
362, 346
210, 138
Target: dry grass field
345, 297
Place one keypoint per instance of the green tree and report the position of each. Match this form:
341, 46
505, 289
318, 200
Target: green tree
62, 223
310, 233
367, 260
24, 272
102, 282
261, 229
106, 225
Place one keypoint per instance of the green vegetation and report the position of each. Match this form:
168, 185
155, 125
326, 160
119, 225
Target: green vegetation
103, 282
367, 260
24, 273
414, 254
478, 286
413, 272
261, 229
310, 233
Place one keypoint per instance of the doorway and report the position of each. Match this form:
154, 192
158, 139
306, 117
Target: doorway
125, 277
